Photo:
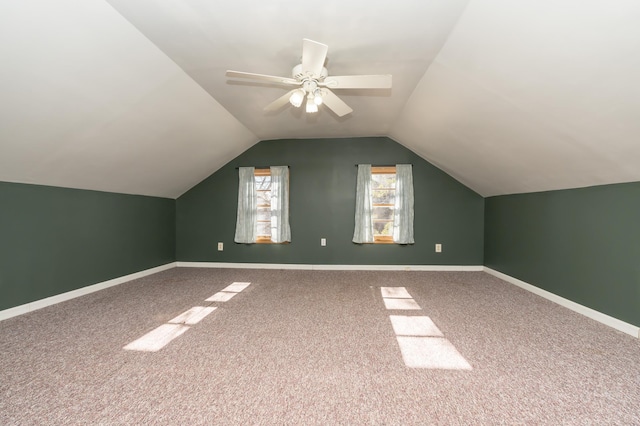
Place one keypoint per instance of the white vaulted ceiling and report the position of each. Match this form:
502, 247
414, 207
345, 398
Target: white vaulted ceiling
131, 96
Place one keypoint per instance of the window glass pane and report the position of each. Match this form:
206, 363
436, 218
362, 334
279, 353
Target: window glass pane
382, 228
264, 213
263, 182
264, 197
383, 181
383, 196
385, 213
264, 228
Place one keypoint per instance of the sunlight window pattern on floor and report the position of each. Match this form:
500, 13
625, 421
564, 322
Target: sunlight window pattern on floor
157, 339
193, 315
163, 335
398, 298
228, 292
421, 342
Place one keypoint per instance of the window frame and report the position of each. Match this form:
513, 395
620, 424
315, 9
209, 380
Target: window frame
263, 239
262, 172
383, 170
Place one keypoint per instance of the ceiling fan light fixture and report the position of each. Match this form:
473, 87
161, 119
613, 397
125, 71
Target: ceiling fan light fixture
297, 97
311, 105
317, 97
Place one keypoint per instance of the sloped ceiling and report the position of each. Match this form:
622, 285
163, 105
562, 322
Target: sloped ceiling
86, 101
131, 96
531, 96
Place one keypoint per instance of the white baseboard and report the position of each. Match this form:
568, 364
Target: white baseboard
330, 267
576, 307
42, 303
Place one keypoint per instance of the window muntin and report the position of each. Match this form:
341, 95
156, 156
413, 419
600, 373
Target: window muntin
383, 194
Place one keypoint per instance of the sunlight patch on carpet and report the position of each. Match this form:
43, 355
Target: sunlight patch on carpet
421, 342
407, 304
416, 326
161, 336
395, 292
236, 287
431, 352
221, 296
193, 315
157, 339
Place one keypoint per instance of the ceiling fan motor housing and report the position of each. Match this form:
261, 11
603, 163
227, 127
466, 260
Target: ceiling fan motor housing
300, 75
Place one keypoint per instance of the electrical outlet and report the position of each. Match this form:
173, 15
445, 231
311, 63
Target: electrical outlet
323, 242
438, 248
220, 246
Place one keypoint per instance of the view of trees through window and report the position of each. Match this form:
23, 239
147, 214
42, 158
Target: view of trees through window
383, 194
263, 194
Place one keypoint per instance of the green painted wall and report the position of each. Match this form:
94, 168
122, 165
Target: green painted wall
53, 240
581, 244
322, 204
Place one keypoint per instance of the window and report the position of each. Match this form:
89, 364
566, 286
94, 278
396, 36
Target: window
263, 205
384, 205
262, 179
383, 197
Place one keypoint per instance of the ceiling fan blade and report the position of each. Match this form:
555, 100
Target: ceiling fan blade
313, 57
358, 81
335, 104
280, 102
262, 77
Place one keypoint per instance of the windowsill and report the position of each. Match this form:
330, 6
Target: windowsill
383, 240
265, 241
380, 242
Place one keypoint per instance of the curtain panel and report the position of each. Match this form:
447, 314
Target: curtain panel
280, 229
246, 224
403, 208
363, 232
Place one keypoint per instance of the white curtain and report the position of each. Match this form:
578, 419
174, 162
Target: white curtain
246, 224
403, 211
363, 232
280, 229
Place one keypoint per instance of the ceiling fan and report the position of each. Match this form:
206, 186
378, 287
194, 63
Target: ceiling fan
314, 82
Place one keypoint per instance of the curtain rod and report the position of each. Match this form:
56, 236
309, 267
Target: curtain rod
388, 165
261, 167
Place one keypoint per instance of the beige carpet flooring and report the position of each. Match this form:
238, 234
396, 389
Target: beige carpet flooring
316, 347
